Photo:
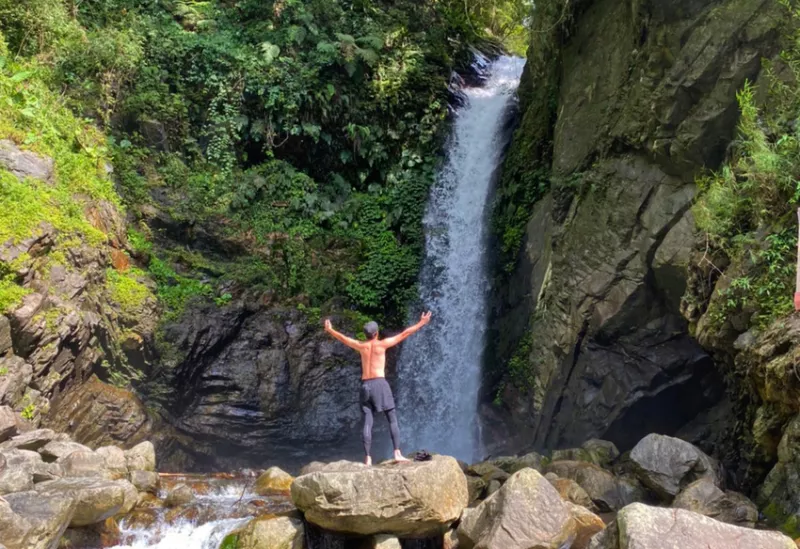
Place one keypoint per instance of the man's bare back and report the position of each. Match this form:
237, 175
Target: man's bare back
379, 397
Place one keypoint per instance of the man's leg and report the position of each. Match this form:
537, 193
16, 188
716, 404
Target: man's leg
366, 435
394, 429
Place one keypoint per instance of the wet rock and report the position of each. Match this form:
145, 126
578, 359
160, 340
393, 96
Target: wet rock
57, 449
270, 532
281, 376
273, 481
587, 524
141, 457
32, 440
415, 499
644, 527
180, 495
96, 499
512, 464
526, 512
8, 423
104, 534
30, 521
665, 465
571, 491
115, 464
705, 498
608, 492
83, 463
25, 163
146, 481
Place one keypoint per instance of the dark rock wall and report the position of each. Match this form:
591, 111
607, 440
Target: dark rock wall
645, 99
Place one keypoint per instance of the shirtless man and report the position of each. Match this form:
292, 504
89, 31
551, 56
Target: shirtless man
376, 395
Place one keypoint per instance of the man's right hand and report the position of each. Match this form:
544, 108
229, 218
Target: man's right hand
425, 318
328, 325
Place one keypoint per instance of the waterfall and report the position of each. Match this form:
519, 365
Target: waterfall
439, 372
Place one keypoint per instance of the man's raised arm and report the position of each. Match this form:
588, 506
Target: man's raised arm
392, 341
350, 342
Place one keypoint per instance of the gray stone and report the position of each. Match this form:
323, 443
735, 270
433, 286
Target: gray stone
180, 495
30, 521
665, 465
146, 481
602, 452
8, 423
57, 449
412, 499
512, 464
16, 474
644, 527
607, 491
385, 542
115, 463
32, 440
141, 457
498, 521
83, 463
5, 335
270, 532
97, 499
24, 163
18, 374
704, 497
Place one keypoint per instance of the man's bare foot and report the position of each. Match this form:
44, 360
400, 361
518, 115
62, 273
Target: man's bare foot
368, 460
398, 456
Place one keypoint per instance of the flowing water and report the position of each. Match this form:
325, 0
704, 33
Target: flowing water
439, 372
223, 503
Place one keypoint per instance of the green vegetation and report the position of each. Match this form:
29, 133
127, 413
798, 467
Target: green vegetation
748, 209
127, 291
305, 134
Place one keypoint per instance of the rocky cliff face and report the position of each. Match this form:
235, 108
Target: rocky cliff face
632, 101
71, 325
253, 382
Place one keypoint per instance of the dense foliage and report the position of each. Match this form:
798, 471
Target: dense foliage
748, 209
301, 135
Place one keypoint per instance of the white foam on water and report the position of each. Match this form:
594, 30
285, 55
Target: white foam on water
439, 370
181, 535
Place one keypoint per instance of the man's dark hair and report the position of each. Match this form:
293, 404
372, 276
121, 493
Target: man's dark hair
371, 329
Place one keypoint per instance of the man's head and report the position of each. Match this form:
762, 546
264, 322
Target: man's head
371, 329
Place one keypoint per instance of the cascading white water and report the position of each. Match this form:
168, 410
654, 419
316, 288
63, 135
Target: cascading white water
439, 370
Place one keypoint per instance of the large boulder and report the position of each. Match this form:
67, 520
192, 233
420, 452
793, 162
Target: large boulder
273, 481
608, 492
16, 471
666, 464
96, 499
115, 464
526, 512
268, 532
83, 463
180, 495
413, 499
30, 521
146, 481
639, 526
57, 449
704, 497
141, 457
32, 440
25, 163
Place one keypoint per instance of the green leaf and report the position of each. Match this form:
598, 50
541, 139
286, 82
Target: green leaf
270, 51
21, 76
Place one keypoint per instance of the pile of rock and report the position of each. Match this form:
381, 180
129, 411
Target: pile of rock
581, 498
51, 486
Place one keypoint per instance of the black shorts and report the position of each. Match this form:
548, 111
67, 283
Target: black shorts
377, 395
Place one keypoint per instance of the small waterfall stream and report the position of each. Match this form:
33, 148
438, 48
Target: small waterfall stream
439, 372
